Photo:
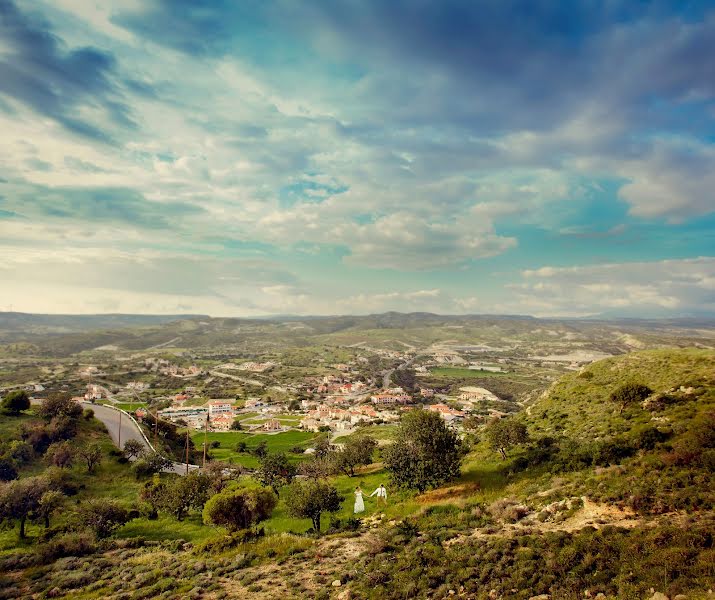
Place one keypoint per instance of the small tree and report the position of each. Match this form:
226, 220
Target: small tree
629, 394
150, 464
102, 516
91, 454
506, 433
15, 402
275, 471
181, 494
310, 499
261, 449
20, 499
426, 453
59, 405
241, 447
357, 451
8, 469
60, 454
239, 509
316, 468
236, 424
50, 502
133, 448
322, 446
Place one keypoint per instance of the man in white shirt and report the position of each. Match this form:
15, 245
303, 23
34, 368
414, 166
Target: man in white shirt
381, 495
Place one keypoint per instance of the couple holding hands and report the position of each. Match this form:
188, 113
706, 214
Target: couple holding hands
380, 492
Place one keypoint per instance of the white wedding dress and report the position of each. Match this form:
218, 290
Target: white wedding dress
359, 504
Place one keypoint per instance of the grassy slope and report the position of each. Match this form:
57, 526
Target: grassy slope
578, 406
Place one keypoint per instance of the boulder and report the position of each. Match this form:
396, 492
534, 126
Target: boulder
336, 583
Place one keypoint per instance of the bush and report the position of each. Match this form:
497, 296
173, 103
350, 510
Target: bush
102, 516
629, 394
15, 402
239, 509
69, 544
88, 414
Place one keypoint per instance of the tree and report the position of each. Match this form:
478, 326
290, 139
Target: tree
310, 499
15, 402
275, 471
239, 509
261, 449
356, 451
20, 499
506, 433
180, 495
294, 405
322, 446
236, 424
150, 464
50, 502
317, 467
102, 516
133, 448
8, 469
60, 454
59, 405
629, 394
426, 453
241, 447
91, 454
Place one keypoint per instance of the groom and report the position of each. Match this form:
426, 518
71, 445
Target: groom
381, 495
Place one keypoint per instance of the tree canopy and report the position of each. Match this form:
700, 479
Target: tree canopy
506, 433
310, 499
426, 452
15, 402
239, 509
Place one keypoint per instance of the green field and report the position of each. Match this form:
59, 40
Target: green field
279, 442
129, 406
463, 373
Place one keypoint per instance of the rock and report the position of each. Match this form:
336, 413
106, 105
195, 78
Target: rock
344, 595
451, 592
659, 596
336, 583
493, 595
600, 596
680, 597
540, 597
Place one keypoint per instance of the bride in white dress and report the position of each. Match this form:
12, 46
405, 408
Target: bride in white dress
359, 504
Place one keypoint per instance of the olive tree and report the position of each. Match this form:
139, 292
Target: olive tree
310, 499
426, 452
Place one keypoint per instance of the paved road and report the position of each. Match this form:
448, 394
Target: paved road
130, 431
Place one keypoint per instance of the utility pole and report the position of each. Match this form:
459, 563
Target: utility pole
119, 442
187, 450
206, 435
156, 428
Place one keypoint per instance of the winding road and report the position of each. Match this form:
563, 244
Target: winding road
129, 431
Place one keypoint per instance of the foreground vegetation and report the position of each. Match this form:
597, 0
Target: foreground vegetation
605, 485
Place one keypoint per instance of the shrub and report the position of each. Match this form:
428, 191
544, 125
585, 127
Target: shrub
15, 402
69, 544
629, 394
102, 516
239, 509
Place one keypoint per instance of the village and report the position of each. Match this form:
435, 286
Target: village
340, 401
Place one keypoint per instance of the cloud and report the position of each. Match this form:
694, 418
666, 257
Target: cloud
65, 85
639, 289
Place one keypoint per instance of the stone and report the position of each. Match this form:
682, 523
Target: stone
336, 583
493, 595
659, 596
344, 595
680, 597
540, 597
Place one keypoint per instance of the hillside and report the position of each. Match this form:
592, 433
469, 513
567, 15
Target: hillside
598, 502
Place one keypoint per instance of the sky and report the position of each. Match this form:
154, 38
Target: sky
271, 157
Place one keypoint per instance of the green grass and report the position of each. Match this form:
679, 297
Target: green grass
279, 442
382, 433
130, 406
